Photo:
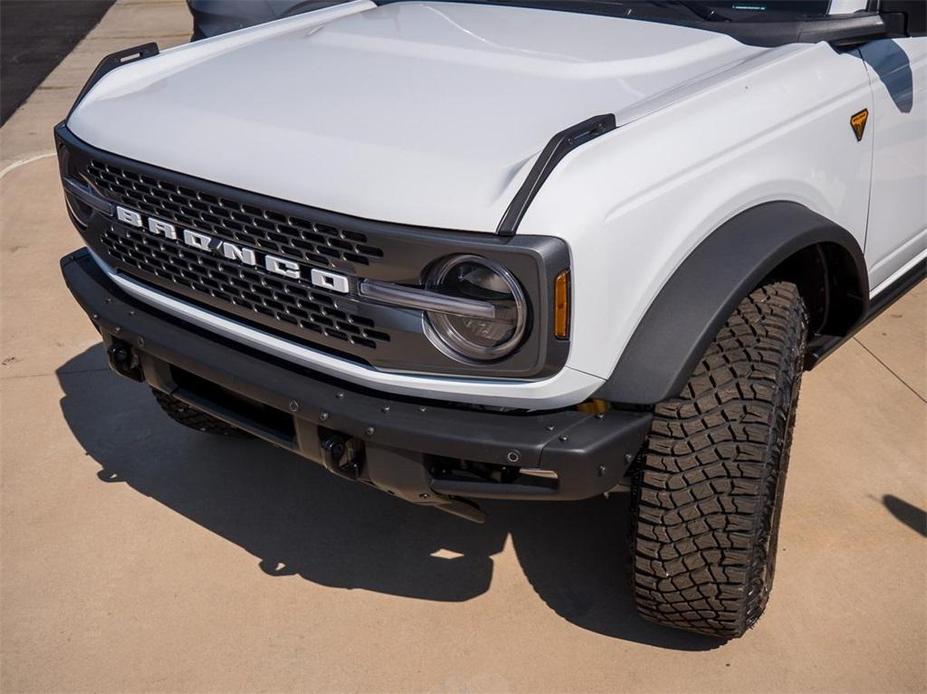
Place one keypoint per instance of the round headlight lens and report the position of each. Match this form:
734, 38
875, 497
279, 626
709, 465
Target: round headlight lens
479, 279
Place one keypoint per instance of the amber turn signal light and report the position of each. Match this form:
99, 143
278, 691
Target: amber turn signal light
562, 305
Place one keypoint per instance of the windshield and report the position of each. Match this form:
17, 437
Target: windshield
753, 22
757, 10
683, 11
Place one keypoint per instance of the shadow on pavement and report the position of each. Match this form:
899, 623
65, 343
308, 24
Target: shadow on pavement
299, 519
36, 35
909, 514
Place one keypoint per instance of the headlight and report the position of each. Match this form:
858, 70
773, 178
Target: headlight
476, 338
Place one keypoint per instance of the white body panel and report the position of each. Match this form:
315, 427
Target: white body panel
898, 211
777, 132
428, 115
431, 114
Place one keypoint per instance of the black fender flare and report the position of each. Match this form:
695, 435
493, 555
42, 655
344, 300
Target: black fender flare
705, 289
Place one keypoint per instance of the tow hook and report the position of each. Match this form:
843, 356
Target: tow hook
124, 360
342, 456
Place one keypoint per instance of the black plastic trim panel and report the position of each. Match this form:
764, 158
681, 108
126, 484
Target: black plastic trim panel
700, 296
559, 146
111, 62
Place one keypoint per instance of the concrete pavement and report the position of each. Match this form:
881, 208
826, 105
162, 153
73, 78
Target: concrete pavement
36, 35
128, 23
138, 556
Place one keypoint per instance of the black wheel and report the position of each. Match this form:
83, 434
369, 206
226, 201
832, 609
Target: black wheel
707, 489
190, 417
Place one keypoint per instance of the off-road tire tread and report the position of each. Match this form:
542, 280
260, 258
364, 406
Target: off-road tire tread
706, 490
182, 413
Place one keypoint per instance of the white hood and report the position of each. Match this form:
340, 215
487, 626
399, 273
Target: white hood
423, 113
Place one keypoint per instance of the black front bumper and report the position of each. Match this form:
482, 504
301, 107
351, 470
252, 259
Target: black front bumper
423, 451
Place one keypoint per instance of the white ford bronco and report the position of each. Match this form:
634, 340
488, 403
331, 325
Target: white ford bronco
514, 249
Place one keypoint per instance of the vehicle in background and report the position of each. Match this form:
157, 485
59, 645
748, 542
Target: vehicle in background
214, 17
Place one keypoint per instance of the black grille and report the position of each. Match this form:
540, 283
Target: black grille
278, 298
347, 325
226, 218
290, 302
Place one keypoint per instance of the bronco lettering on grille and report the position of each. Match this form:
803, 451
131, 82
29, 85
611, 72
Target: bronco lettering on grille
231, 251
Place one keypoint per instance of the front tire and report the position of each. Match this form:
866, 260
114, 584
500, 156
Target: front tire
707, 490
